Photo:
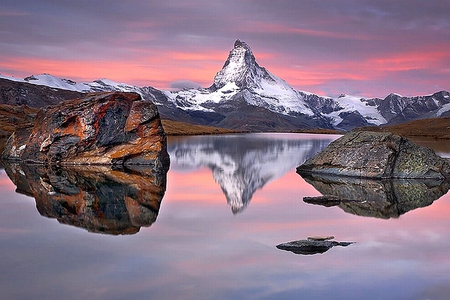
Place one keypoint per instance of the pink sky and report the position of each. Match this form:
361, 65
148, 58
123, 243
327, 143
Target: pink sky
353, 47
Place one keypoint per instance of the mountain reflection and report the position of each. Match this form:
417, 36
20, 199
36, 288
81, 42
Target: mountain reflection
243, 163
375, 198
97, 198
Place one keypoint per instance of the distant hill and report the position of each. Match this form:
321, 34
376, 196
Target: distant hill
24, 93
432, 128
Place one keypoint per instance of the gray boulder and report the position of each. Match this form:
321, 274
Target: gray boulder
377, 155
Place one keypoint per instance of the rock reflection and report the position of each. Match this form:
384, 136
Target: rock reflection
375, 198
96, 198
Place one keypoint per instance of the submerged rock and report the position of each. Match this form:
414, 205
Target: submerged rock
103, 128
311, 246
376, 155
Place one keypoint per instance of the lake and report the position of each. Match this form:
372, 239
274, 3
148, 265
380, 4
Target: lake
209, 230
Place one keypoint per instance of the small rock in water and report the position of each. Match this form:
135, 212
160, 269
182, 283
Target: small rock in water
312, 245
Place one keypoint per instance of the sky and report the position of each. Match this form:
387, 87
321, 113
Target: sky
356, 47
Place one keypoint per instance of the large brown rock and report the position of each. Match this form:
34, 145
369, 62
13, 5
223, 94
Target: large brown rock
376, 155
102, 128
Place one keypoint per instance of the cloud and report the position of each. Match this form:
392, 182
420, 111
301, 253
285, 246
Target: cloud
167, 41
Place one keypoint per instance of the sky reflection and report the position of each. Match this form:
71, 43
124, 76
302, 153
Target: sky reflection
197, 249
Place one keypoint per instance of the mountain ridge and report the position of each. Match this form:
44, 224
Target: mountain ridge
246, 96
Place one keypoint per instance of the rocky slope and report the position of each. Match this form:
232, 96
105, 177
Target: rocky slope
21, 92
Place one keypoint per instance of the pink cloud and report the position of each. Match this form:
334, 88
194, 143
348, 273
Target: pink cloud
267, 27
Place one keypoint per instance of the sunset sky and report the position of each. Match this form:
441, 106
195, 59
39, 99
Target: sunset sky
367, 48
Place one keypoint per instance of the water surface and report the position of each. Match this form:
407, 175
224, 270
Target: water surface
229, 200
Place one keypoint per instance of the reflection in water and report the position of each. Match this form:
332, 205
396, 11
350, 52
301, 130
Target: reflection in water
96, 198
375, 198
241, 164
311, 246
198, 250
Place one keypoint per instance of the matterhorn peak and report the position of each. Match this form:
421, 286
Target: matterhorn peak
240, 68
240, 44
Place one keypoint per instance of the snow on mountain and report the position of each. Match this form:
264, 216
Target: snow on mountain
11, 78
55, 82
100, 85
200, 99
349, 103
244, 94
445, 108
242, 75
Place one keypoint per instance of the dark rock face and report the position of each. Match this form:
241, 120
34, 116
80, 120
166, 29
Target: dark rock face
311, 246
380, 198
398, 109
376, 155
22, 93
96, 198
102, 128
12, 118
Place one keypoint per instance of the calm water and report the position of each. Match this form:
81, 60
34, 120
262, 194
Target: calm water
229, 201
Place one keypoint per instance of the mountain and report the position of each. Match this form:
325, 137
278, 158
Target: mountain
249, 97
20, 92
243, 80
245, 96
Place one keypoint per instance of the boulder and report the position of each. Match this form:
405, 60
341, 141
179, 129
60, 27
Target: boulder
376, 155
111, 128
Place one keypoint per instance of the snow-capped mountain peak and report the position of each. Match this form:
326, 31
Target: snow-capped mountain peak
240, 68
242, 80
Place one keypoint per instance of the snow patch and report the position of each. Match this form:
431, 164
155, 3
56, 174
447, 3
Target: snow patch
350, 103
443, 109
